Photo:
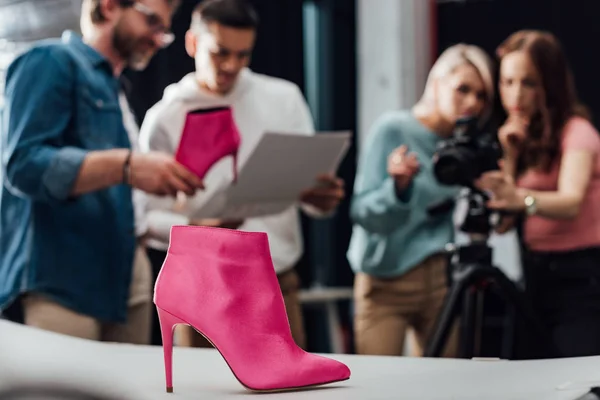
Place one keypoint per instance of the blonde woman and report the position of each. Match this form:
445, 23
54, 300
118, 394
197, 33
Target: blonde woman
396, 247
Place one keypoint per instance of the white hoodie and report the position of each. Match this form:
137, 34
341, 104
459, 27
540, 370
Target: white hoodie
260, 103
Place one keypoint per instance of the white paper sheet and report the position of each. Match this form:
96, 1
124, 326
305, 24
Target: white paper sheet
281, 166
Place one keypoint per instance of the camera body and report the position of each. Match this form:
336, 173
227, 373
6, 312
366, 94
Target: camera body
462, 158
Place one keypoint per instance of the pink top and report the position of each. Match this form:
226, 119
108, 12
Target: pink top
544, 234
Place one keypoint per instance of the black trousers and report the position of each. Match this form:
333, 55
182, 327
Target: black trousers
564, 288
157, 257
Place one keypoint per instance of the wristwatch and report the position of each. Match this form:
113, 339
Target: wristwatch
530, 205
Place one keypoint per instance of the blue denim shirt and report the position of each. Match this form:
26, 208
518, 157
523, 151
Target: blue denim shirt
61, 102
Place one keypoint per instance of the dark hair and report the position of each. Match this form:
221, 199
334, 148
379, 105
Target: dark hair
543, 142
96, 12
230, 13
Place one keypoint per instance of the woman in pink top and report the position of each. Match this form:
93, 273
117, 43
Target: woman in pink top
551, 177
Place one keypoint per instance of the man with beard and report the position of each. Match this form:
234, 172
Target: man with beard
69, 254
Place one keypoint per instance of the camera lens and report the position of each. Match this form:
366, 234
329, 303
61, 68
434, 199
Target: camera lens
453, 165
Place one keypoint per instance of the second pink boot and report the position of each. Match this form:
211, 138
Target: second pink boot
222, 283
208, 135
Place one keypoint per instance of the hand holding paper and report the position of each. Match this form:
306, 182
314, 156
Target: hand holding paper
326, 195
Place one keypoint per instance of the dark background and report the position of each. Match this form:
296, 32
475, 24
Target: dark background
487, 23
281, 51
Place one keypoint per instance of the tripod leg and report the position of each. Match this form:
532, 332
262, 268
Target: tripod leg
446, 319
524, 308
478, 323
508, 341
468, 324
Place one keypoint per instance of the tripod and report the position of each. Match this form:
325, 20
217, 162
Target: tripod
471, 271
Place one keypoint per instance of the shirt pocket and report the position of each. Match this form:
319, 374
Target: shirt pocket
99, 120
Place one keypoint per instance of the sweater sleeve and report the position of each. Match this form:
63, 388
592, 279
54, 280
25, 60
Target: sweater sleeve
375, 204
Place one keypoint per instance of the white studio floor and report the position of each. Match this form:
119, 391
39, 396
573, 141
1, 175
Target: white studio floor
136, 372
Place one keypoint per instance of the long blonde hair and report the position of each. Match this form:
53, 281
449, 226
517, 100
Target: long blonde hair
452, 58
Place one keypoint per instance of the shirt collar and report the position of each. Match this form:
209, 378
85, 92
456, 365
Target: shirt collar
75, 40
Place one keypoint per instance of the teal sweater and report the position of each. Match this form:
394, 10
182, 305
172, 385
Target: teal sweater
391, 233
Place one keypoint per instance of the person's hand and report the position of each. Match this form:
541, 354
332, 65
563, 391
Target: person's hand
507, 222
158, 173
217, 223
402, 167
506, 196
326, 195
512, 135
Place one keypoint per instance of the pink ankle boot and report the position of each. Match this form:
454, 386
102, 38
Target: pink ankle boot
222, 283
208, 136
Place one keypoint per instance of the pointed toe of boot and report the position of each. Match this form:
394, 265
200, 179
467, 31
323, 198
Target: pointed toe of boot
309, 371
330, 371
301, 371
342, 372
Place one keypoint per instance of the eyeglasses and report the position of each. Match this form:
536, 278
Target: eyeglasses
154, 23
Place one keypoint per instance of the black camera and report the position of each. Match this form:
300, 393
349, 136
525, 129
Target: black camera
461, 159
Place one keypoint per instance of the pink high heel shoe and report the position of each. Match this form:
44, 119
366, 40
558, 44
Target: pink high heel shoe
222, 283
208, 135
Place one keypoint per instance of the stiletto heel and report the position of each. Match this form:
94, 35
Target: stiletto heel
223, 284
167, 328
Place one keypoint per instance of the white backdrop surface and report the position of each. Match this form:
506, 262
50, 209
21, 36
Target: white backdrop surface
136, 372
